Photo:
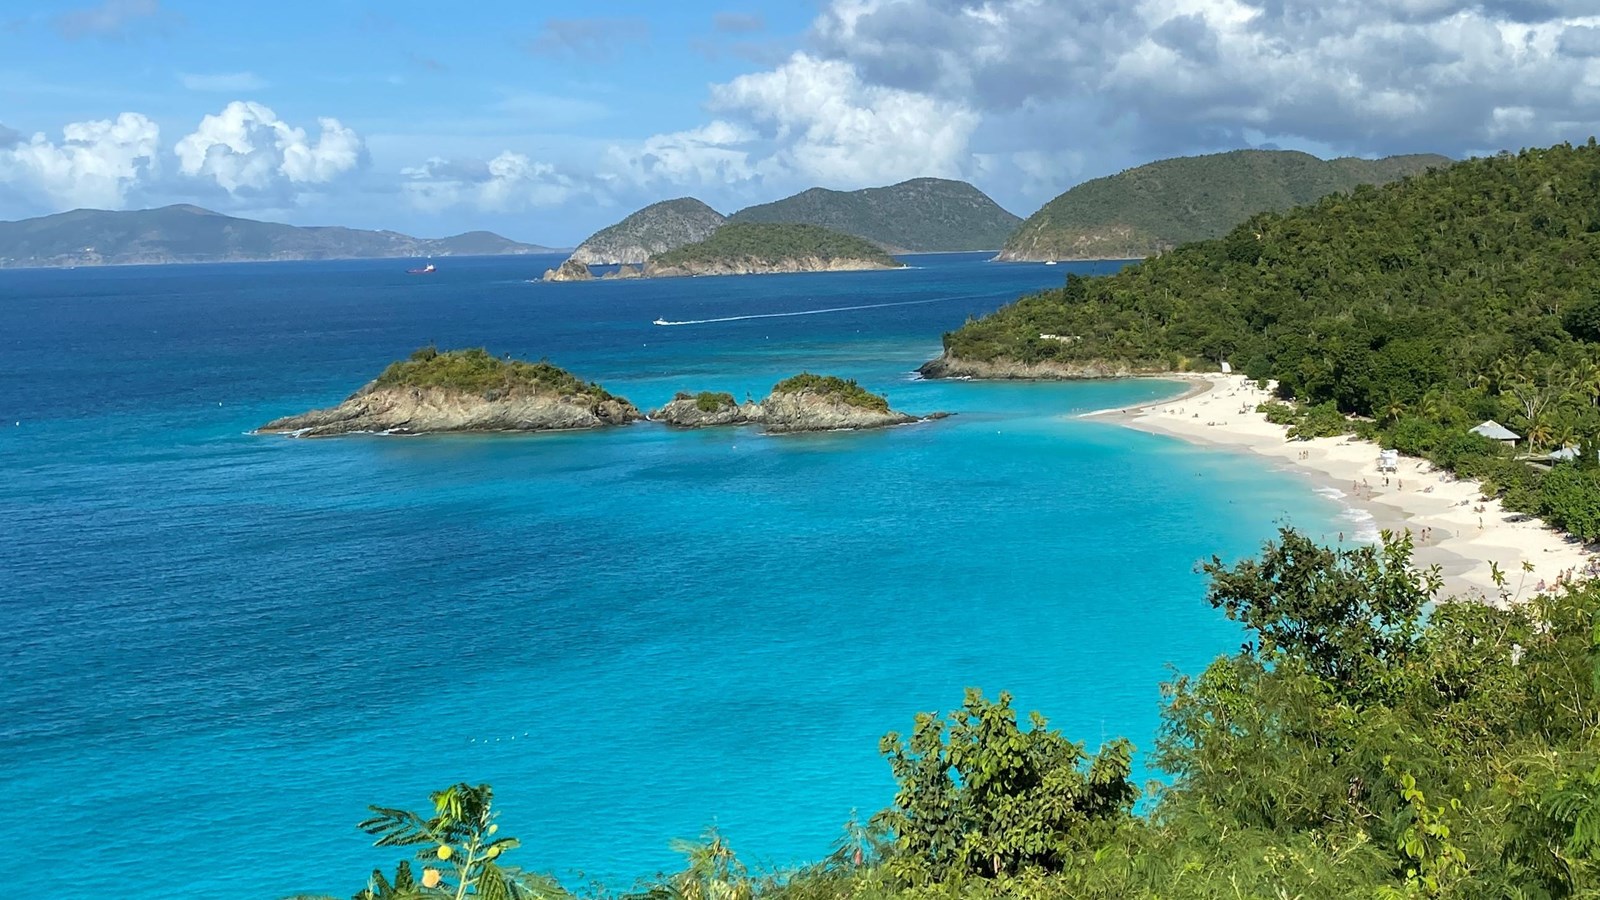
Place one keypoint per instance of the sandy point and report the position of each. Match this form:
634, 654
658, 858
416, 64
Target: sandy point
1453, 525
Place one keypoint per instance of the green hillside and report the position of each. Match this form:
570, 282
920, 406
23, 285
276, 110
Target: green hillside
1155, 207
762, 243
920, 215
1425, 307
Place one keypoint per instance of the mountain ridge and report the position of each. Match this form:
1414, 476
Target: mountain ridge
1153, 208
920, 215
187, 234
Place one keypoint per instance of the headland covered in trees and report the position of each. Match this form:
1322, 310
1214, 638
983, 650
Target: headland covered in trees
1406, 315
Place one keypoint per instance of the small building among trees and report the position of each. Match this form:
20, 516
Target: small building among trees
1494, 431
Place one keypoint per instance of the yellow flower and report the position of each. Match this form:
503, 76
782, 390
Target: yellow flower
493, 852
493, 828
444, 851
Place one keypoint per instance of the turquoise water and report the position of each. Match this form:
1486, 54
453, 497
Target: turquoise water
228, 645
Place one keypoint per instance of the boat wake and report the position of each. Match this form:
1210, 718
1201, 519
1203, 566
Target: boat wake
816, 312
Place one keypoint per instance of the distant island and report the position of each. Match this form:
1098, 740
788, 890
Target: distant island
655, 229
189, 234
1153, 208
464, 391
805, 402
923, 215
917, 216
751, 249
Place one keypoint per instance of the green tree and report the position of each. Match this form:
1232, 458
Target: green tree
985, 797
1347, 616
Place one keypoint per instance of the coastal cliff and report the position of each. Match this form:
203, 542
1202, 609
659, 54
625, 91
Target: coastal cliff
749, 266
572, 270
949, 365
803, 403
463, 391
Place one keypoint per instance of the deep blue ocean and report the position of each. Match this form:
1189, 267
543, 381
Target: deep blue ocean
221, 647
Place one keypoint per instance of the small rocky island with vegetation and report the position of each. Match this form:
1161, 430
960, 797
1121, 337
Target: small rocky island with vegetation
464, 391
805, 402
750, 249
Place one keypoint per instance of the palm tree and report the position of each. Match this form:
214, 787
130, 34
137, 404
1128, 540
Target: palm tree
714, 871
1392, 409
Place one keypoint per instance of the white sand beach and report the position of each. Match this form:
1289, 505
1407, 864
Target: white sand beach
1453, 526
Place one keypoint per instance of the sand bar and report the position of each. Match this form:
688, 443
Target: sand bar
1464, 532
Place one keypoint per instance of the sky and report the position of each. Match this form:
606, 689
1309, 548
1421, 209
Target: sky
545, 121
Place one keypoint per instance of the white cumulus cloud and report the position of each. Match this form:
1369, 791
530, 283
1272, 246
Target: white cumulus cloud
246, 148
827, 124
510, 182
95, 164
715, 155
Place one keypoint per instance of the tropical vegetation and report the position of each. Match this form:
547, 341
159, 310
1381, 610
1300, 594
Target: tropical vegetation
770, 244
1420, 309
1365, 741
708, 401
476, 371
844, 390
1157, 206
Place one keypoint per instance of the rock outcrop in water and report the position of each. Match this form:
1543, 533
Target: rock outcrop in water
805, 402
464, 391
570, 270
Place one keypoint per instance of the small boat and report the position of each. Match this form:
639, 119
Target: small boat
425, 270
1049, 262
661, 322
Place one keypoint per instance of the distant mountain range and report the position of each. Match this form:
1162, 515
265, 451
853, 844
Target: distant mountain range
1155, 207
189, 234
920, 215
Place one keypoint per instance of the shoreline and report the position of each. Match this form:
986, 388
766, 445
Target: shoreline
1442, 513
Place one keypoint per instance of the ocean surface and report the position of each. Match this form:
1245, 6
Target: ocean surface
221, 647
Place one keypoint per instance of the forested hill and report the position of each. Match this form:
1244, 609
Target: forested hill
762, 244
189, 234
920, 215
1425, 306
1155, 207
1386, 291
657, 228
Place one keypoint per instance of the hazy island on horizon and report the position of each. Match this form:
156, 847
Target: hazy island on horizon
184, 233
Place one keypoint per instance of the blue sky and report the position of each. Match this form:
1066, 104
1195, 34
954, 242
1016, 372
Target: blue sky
545, 121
